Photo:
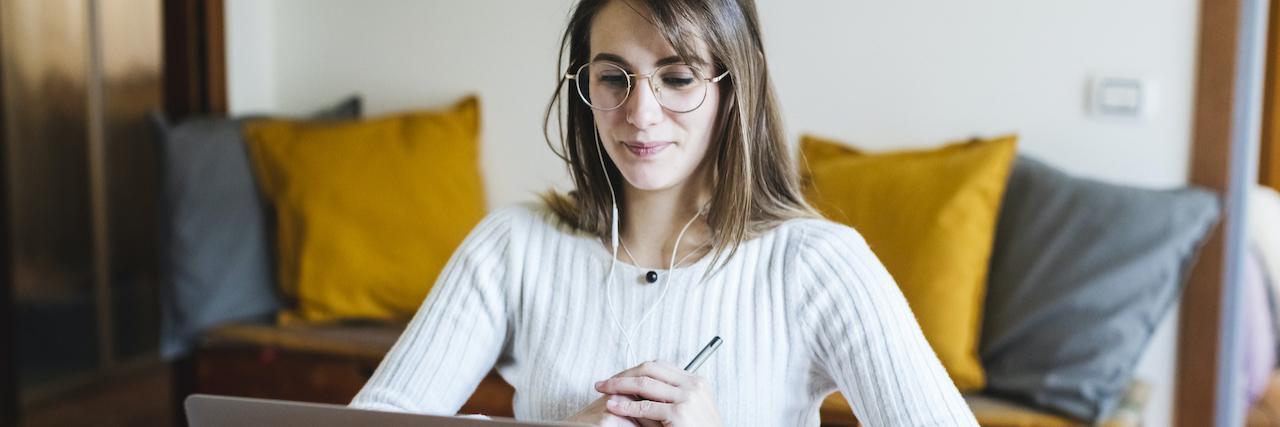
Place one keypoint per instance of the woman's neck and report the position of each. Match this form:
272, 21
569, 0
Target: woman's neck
653, 219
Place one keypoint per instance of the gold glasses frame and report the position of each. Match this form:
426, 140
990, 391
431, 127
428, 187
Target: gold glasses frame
634, 78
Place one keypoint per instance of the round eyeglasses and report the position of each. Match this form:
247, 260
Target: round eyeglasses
677, 87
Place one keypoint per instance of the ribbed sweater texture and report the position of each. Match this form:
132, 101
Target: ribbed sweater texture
804, 310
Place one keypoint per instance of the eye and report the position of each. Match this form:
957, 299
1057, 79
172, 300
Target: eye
612, 78
678, 77
677, 82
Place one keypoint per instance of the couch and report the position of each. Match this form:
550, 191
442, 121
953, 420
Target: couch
1041, 289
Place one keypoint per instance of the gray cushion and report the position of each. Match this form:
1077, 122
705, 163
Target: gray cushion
1081, 273
216, 262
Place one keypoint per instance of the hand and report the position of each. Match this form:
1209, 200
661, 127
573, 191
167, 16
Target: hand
596, 414
675, 398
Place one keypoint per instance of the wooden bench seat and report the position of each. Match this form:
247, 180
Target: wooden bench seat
330, 363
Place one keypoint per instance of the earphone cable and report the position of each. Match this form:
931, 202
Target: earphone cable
615, 239
681, 261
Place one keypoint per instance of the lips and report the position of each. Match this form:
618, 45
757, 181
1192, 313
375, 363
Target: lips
645, 149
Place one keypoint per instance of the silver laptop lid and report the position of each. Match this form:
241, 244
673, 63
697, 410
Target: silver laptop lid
205, 410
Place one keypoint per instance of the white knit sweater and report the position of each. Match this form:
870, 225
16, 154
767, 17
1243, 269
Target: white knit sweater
804, 310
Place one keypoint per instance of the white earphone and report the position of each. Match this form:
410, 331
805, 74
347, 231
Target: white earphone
614, 238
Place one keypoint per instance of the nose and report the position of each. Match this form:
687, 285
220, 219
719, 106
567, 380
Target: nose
643, 109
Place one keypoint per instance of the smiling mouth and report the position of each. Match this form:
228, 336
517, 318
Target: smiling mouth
644, 149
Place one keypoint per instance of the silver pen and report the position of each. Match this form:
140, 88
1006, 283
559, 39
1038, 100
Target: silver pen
703, 355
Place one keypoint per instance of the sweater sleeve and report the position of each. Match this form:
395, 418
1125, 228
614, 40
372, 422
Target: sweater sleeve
457, 334
862, 334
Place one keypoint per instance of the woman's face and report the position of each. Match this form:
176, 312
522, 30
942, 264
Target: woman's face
652, 146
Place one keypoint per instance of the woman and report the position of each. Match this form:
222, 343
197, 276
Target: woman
696, 186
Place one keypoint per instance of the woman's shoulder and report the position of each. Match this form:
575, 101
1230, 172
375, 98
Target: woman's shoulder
520, 211
515, 229
526, 217
816, 234
832, 257
814, 245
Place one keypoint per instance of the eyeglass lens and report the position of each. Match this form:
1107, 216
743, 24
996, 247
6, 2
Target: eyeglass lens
605, 86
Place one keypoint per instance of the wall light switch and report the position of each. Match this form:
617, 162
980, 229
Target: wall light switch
1121, 97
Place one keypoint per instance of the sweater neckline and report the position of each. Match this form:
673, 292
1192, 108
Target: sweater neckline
602, 251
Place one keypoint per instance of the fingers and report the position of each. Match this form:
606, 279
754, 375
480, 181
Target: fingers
660, 370
646, 409
597, 413
674, 397
644, 422
645, 387
633, 422
620, 398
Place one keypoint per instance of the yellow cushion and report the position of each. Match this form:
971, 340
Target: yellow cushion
930, 216
368, 211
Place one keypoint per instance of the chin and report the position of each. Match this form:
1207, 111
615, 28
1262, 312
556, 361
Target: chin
650, 185
651, 181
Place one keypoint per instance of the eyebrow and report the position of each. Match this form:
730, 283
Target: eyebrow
664, 61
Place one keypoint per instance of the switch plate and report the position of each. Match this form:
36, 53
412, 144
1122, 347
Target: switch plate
1122, 97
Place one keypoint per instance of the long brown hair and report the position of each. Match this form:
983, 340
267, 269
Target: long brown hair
754, 185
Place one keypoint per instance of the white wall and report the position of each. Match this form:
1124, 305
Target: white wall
876, 73
879, 74
251, 62
918, 73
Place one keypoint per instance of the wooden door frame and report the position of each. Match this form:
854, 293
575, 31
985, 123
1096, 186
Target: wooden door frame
1269, 149
1231, 58
195, 58
8, 351
8, 340
195, 83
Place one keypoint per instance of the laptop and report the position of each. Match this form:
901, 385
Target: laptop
205, 410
